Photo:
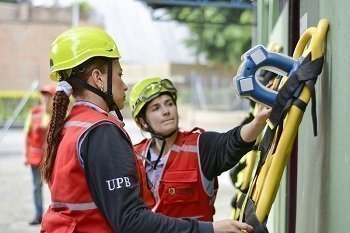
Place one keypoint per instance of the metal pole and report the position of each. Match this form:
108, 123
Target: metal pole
75, 14
18, 109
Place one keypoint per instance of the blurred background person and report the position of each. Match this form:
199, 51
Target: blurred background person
35, 131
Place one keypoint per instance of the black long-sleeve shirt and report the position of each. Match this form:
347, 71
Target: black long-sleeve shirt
221, 151
112, 177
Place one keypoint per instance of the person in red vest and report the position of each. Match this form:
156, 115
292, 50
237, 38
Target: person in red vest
182, 166
35, 129
90, 166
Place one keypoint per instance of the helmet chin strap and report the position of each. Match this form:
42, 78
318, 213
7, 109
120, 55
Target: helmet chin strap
107, 96
160, 137
109, 99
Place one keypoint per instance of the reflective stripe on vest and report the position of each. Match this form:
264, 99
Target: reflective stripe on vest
37, 115
82, 124
33, 149
74, 206
187, 148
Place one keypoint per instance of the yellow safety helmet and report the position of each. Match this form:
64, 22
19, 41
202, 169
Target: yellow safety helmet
146, 90
76, 45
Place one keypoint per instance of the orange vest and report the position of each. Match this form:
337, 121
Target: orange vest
35, 139
181, 192
72, 208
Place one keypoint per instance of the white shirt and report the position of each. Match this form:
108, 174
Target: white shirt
154, 175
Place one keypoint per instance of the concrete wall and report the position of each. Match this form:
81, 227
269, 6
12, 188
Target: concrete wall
25, 40
25, 53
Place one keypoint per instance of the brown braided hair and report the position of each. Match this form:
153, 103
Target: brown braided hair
59, 111
60, 106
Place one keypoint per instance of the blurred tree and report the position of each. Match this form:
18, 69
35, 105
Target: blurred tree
222, 35
10, 1
85, 9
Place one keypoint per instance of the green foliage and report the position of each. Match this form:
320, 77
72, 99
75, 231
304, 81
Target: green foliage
9, 102
221, 35
9, 1
85, 9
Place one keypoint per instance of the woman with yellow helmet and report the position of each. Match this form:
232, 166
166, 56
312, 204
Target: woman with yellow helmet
94, 180
182, 167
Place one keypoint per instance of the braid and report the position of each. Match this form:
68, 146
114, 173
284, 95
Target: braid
60, 106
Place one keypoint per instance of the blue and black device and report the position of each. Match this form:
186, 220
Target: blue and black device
246, 82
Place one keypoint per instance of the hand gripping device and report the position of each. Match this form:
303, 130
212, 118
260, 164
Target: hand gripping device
246, 82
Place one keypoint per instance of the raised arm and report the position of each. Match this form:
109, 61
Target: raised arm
251, 131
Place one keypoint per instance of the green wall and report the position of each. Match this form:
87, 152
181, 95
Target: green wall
324, 162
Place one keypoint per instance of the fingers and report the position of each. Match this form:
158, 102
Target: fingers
231, 226
263, 113
244, 227
268, 110
269, 84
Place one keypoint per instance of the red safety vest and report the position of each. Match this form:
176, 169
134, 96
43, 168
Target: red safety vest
35, 138
72, 208
181, 192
